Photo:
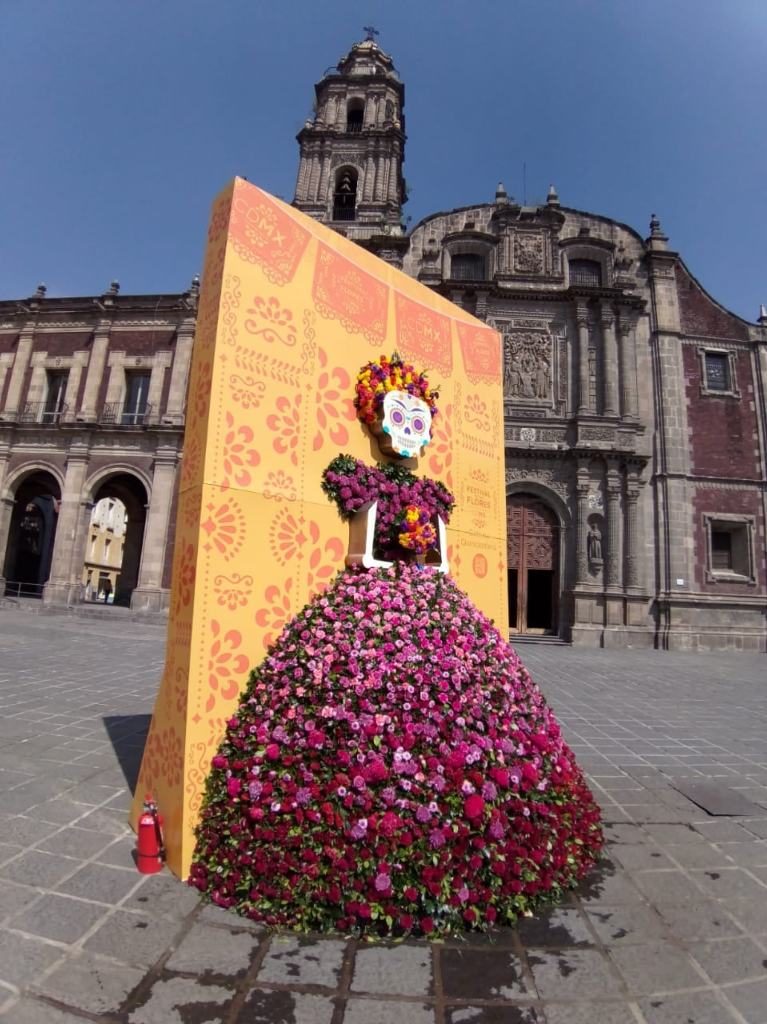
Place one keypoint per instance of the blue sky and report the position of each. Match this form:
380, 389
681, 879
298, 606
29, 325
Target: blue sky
121, 119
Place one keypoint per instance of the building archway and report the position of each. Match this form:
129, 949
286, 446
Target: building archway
115, 539
32, 532
533, 538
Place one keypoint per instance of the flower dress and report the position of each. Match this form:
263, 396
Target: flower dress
391, 766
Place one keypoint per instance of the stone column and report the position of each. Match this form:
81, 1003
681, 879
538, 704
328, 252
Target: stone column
628, 366
13, 400
147, 595
613, 574
301, 179
611, 381
633, 561
370, 177
63, 585
584, 384
314, 175
95, 372
582, 490
393, 179
380, 182
324, 177
179, 373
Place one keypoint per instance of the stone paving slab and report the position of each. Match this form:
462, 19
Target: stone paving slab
671, 929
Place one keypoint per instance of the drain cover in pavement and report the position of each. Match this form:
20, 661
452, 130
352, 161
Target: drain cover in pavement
716, 799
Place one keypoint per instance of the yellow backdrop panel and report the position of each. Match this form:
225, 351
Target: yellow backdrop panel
289, 311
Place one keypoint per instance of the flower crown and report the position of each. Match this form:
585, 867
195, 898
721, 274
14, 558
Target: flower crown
390, 374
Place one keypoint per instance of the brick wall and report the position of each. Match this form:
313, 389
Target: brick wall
724, 439
64, 345
713, 502
700, 315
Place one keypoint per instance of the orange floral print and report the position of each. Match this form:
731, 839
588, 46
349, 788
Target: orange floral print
225, 527
273, 322
236, 455
226, 669
233, 591
286, 423
332, 404
276, 610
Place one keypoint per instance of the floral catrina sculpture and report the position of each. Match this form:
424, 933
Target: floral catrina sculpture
391, 767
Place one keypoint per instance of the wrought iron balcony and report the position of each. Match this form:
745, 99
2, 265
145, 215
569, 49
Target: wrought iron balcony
116, 415
41, 412
585, 278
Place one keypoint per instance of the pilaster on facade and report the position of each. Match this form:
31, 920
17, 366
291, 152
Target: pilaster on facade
179, 376
628, 367
613, 561
633, 563
585, 406
14, 397
95, 371
611, 380
582, 495
74, 511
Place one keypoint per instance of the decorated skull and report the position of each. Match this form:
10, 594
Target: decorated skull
406, 422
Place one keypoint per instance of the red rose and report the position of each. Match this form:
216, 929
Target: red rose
473, 807
500, 776
272, 751
427, 925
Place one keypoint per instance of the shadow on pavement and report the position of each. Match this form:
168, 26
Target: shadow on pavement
128, 734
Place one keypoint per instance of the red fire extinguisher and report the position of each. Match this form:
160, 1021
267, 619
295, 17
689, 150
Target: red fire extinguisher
150, 851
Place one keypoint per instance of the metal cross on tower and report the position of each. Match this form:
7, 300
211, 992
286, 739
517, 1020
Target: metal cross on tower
371, 33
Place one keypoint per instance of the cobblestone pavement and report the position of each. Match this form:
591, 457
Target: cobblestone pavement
672, 930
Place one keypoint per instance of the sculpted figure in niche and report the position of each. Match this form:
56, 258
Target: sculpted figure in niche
542, 378
594, 543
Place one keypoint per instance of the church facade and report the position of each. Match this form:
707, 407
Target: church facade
635, 407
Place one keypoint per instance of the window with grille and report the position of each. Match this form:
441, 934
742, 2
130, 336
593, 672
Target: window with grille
717, 371
729, 547
467, 266
586, 273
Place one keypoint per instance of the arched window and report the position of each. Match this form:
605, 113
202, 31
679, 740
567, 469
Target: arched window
467, 266
586, 273
345, 195
355, 112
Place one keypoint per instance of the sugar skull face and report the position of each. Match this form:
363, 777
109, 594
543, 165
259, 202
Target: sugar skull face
407, 421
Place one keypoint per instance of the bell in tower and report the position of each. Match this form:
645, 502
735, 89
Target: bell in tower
352, 150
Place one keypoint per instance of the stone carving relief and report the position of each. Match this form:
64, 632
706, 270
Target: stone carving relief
554, 477
533, 435
527, 358
528, 253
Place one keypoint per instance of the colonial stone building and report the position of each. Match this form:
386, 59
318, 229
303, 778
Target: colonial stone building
635, 413
92, 394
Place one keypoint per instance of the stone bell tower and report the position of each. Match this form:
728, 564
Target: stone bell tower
350, 171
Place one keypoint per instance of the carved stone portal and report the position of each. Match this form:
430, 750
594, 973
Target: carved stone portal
527, 360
